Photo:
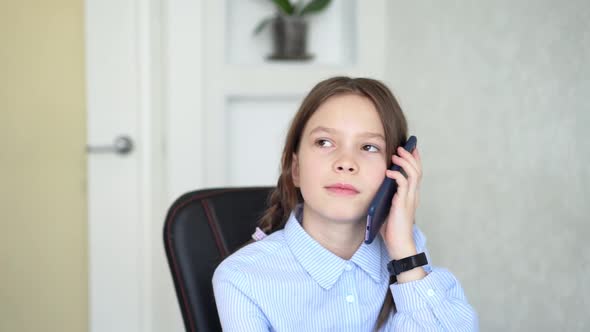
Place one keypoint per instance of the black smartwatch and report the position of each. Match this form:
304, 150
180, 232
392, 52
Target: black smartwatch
406, 264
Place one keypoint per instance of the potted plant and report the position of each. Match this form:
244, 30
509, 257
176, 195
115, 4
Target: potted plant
289, 28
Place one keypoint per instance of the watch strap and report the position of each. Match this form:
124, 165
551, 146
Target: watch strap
395, 267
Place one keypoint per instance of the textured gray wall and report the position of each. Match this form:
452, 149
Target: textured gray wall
498, 93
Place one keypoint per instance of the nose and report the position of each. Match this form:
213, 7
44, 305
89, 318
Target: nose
345, 164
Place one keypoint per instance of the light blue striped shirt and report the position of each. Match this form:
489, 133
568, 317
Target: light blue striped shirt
289, 282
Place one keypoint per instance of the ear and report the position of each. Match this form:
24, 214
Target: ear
295, 170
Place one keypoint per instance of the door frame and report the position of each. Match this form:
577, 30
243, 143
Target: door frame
146, 42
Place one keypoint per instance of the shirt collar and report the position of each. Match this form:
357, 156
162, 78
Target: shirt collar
321, 264
369, 258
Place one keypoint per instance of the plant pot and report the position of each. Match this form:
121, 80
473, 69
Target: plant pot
289, 35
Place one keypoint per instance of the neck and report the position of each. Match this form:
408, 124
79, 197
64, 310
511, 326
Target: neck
342, 238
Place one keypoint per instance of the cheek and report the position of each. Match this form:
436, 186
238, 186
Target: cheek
310, 165
309, 178
376, 174
309, 171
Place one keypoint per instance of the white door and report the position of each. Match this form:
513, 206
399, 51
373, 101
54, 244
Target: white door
124, 163
189, 84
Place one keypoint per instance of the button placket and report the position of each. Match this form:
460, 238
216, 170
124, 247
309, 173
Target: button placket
349, 275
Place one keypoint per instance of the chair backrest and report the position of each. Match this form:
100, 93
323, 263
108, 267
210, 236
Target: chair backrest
201, 229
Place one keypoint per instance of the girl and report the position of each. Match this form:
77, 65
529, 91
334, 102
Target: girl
313, 272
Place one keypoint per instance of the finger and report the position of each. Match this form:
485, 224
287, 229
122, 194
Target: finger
411, 187
414, 158
413, 177
411, 159
416, 155
410, 170
402, 184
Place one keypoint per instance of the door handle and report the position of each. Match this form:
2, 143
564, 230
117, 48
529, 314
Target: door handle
121, 145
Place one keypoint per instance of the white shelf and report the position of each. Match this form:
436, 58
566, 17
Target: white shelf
331, 35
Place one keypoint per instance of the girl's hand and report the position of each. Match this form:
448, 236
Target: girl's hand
397, 231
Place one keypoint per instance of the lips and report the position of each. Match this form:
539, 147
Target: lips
342, 189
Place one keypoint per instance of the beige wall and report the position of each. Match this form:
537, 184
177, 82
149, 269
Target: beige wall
498, 94
43, 264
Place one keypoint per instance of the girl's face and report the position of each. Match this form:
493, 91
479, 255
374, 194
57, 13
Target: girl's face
341, 160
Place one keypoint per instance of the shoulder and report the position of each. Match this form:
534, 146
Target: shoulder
253, 259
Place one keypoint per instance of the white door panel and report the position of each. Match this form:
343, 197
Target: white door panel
113, 179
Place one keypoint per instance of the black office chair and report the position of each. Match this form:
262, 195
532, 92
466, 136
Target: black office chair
201, 229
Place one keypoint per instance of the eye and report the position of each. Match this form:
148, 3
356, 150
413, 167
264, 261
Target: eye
370, 148
324, 143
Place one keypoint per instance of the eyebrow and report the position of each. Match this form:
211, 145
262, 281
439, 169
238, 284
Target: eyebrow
335, 131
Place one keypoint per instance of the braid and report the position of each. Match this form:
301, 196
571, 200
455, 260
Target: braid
280, 203
386, 308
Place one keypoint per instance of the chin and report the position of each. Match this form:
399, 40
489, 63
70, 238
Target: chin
343, 209
348, 213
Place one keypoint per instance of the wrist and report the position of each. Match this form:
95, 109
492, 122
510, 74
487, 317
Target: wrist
403, 253
402, 249
417, 273
408, 268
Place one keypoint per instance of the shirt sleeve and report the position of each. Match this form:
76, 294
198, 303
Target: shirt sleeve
237, 311
435, 303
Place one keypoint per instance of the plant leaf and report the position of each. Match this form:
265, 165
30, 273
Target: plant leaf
298, 7
262, 25
285, 5
315, 6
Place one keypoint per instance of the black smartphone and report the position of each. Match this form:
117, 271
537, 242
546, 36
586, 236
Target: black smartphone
381, 203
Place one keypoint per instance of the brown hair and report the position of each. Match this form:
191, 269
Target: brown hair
285, 196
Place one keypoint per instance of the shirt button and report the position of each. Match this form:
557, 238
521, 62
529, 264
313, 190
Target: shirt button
430, 292
350, 299
348, 267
